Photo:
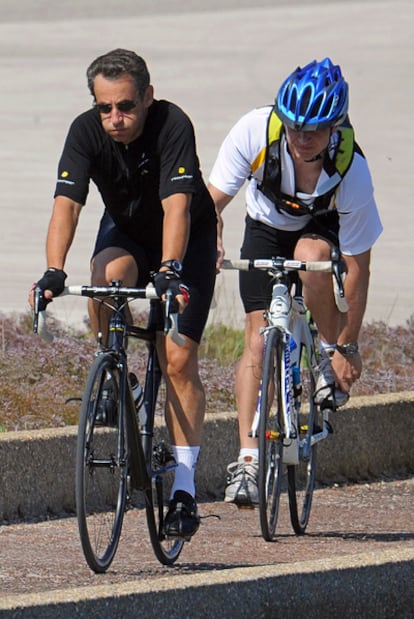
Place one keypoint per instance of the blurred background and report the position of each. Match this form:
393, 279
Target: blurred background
217, 59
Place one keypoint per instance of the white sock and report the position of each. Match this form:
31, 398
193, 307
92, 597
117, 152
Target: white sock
186, 458
249, 451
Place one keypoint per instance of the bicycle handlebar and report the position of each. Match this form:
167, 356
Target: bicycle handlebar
279, 264
171, 324
282, 264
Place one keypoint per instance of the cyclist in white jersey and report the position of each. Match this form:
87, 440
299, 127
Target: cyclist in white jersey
309, 187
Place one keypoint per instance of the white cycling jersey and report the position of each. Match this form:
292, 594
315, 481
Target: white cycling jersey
360, 224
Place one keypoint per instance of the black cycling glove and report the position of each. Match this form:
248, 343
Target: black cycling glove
170, 280
53, 280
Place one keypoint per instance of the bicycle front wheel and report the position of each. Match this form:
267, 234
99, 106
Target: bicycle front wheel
301, 477
162, 466
271, 434
101, 464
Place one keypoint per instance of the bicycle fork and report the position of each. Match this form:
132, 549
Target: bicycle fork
290, 414
289, 433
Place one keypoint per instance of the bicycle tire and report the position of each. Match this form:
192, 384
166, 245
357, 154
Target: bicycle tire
301, 477
161, 465
101, 465
271, 434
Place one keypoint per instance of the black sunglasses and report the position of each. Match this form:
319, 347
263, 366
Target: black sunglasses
123, 106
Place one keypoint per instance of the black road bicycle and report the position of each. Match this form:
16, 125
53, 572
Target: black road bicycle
117, 459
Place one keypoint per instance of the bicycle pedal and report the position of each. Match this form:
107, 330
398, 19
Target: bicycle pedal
162, 455
244, 503
327, 405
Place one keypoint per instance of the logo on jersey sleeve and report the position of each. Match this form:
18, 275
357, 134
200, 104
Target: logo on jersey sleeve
64, 178
182, 174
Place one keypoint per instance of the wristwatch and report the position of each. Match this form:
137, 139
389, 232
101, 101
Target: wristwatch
175, 265
348, 350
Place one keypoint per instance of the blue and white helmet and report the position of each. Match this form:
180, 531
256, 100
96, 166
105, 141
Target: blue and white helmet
315, 97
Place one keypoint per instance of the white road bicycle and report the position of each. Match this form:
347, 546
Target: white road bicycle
287, 422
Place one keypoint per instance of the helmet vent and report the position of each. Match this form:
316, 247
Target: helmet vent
304, 101
314, 97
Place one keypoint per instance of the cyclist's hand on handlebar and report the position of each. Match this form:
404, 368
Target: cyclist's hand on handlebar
52, 283
170, 280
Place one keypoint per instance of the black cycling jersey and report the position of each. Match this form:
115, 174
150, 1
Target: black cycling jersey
134, 178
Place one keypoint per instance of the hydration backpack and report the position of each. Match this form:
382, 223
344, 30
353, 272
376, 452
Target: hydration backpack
266, 169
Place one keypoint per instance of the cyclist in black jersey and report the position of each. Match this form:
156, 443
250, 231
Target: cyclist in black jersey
158, 217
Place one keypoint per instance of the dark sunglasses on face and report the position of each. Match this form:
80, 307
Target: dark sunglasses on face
123, 106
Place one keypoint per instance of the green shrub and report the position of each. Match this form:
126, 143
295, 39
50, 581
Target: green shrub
222, 343
38, 379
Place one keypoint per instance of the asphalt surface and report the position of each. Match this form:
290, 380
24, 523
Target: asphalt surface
364, 529
358, 549
217, 59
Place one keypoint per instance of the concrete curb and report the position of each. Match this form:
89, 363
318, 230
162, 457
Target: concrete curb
368, 585
372, 437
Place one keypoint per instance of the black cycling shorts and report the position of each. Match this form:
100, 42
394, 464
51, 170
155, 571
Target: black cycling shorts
199, 272
262, 241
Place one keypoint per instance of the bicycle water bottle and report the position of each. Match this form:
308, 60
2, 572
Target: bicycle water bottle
137, 390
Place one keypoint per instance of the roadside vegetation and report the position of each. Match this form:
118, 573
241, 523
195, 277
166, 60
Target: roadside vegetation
41, 384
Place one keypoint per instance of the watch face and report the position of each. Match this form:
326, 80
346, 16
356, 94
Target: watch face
176, 265
348, 349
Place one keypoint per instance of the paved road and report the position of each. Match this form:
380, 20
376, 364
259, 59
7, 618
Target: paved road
351, 527
217, 59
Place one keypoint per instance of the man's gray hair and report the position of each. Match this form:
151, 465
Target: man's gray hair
116, 63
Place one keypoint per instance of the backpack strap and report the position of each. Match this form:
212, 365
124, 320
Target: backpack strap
269, 159
273, 133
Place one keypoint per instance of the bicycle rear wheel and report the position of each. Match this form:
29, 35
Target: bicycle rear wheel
301, 477
162, 465
101, 464
271, 434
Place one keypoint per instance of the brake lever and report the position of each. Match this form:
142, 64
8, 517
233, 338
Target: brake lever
171, 320
167, 319
38, 295
39, 316
338, 276
337, 270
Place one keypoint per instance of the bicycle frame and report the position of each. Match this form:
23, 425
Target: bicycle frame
118, 331
287, 313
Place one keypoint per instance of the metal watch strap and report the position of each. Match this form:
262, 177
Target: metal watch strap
175, 265
348, 350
